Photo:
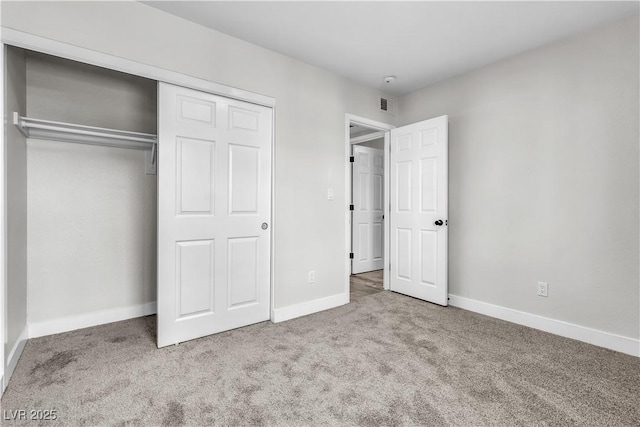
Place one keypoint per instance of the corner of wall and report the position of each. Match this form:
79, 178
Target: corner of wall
14, 356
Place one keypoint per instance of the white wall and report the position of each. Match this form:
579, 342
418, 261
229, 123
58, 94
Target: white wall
309, 230
91, 210
16, 213
543, 176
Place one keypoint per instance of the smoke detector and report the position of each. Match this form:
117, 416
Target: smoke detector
389, 79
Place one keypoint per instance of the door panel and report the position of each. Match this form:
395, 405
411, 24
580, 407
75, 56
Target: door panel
428, 185
196, 111
195, 188
214, 193
403, 186
378, 233
240, 118
429, 257
378, 191
244, 164
367, 220
195, 266
418, 245
243, 271
403, 251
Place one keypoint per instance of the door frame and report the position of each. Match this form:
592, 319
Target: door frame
385, 128
3, 225
17, 38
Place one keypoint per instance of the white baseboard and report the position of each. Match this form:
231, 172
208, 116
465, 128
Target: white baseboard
14, 356
309, 307
558, 327
86, 320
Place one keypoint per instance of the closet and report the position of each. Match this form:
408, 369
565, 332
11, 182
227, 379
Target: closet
90, 209
107, 174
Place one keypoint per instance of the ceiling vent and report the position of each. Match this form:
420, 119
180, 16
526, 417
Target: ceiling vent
387, 105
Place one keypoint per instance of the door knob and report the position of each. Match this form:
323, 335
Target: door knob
438, 222
265, 225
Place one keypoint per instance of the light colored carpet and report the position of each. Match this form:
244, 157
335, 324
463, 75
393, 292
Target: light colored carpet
385, 359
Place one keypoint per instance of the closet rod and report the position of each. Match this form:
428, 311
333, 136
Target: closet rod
89, 135
38, 128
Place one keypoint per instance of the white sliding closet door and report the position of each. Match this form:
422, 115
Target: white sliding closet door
214, 213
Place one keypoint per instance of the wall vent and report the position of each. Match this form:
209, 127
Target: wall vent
386, 105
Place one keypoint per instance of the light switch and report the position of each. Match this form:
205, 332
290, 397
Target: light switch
330, 194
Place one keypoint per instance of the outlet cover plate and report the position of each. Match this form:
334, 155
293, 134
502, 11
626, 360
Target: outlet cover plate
543, 289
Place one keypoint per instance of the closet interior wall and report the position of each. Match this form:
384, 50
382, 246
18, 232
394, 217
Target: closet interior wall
15, 321
91, 210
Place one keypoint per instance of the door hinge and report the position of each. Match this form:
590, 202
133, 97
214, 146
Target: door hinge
350, 255
352, 208
352, 159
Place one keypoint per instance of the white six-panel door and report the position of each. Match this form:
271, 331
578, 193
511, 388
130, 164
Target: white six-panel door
367, 220
214, 208
418, 223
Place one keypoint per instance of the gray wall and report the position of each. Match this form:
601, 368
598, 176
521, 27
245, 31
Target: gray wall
543, 176
16, 193
309, 230
91, 210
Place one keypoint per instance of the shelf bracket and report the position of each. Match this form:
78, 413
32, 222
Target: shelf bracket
150, 160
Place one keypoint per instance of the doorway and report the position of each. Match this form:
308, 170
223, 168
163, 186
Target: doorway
368, 202
414, 213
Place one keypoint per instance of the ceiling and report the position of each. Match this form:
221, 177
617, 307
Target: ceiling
358, 130
418, 42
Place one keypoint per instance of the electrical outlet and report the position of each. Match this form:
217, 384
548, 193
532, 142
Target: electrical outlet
543, 289
312, 276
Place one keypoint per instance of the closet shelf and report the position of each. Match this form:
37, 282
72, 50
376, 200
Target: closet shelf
90, 135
